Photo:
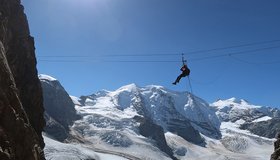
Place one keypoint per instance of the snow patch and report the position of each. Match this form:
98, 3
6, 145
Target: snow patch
265, 118
46, 77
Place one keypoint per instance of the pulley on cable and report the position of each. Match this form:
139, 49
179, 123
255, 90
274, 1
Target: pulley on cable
185, 72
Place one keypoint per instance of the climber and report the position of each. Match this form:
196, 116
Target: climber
185, 72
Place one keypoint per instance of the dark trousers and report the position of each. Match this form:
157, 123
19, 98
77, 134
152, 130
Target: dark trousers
180, 76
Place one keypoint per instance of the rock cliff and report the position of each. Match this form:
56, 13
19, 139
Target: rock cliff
21, 103
60, 109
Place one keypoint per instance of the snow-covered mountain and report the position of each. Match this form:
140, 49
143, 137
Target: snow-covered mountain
171, 110
110, 118
260, 120
153, 122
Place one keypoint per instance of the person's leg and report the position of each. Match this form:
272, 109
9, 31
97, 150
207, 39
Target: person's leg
178, 79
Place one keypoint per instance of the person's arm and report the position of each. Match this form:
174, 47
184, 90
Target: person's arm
183, 68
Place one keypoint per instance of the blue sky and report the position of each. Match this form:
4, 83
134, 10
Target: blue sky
97, 32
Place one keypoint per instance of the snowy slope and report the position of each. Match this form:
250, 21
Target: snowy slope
224, 149
55, 150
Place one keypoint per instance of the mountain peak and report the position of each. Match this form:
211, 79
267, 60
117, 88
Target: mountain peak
238, 101
130, 87
235, 103
155, 86
46, 77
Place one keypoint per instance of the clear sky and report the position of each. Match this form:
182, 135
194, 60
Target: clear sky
97, 32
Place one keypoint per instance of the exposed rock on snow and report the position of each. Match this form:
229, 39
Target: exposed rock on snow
116, 139
268, 128
150, 130
235, 143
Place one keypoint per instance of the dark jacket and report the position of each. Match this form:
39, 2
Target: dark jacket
186, 71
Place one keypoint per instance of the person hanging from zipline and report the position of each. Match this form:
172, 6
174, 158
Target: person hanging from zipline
185, 72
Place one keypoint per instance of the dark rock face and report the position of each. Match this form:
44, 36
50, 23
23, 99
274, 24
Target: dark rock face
276, 154
184, 129
21, 104
267, 129
55, 129
60, 109
149, 129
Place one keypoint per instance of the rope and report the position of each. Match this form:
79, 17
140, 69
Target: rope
190, 84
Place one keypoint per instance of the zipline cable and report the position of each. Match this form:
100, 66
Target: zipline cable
167, 61
253, 63
162, 54
235, 53
234, 46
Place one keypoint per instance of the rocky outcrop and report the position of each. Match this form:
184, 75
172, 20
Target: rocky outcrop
151, 130
268, 128
60, 109
21, 104
276, 154
55, 129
